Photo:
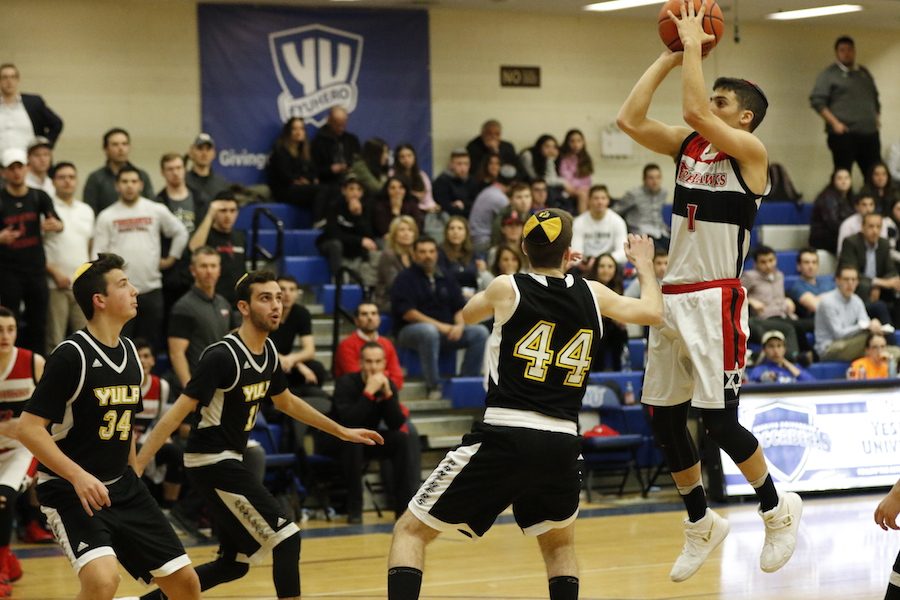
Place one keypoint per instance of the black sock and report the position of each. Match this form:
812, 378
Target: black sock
564, 587
695, 503
154, 595
404, 583
767, 494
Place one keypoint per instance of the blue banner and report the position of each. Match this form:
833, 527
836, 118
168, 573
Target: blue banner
260, 65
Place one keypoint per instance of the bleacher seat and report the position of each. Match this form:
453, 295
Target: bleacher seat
465, 392
292, 216
297, 242
782, 237
410, 360
309, 270
786, 261
829, 370
351, 296
783, 213
622, 379
637, 349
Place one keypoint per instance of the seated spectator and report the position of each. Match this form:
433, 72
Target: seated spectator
457, 256
427, 312
660, 266
368, 398
348, 239
774, 367
334, 148
455, 189
346, 357
894, 231
576, 167
842, 325
540, 195
507, 260
305, 374
831, 207
876, 362
39, 121
853, 224
612, 344
393, 201
40, 159
880, 186
870, 255
519, 208
490, 142
200, 176
217, 231
488, 205
770, 309
808, 289
290, 172
396, 256
641, 207
406, 169
539, 162
511, 236
100, 190
599, 231
488, 172
370, 167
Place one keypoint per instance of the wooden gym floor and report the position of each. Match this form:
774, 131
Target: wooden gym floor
625, 549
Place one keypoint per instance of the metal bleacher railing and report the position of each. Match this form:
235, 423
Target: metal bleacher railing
256, 249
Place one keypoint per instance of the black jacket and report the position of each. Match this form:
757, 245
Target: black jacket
44, 121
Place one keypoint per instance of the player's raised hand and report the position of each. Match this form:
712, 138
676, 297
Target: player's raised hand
574, 258
91, 491
690, 24
886, 512
639, 249
361, 436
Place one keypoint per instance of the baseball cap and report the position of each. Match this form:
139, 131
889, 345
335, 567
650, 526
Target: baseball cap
772, 335
513, 218
39, 142
204, 139
14, 155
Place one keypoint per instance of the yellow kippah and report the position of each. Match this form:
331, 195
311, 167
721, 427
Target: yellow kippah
81, 271
542, 228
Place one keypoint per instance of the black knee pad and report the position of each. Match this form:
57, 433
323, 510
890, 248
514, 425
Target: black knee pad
723, 427
286, 567
219, 571
669, 425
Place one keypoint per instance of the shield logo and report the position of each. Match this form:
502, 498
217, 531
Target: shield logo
317, 67
787, 434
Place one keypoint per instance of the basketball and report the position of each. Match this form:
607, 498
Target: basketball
713, 23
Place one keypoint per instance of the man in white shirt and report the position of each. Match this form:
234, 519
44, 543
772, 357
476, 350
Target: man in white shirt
599, 230
23, 116
66, 250
40, 158
131, 228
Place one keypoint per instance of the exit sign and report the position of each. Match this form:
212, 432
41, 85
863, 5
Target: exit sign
520, 76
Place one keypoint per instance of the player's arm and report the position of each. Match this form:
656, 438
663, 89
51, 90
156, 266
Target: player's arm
745, 147
161, 432
495, 301
646, 310
633, 119
886, 513
300, 410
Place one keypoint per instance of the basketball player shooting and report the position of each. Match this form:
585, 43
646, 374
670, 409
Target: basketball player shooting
696, 358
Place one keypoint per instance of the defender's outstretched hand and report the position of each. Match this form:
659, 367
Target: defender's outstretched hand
886, 513
690, 25
639, 248
362, 436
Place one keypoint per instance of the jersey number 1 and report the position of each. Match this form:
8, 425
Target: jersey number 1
574, 357
692, 217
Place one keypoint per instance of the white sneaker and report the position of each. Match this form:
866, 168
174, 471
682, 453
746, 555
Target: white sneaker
700, 539
782, 523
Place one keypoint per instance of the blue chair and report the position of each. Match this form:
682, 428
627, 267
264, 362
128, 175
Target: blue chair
280, 475
612, 455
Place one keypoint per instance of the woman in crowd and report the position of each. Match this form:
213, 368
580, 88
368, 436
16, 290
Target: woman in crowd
576, 167
507, 261
488, 171
880, 186
406, 169
457, 257
397, 255
290, 171
371, 166
832, 206
539, 162
615, 336
393, 201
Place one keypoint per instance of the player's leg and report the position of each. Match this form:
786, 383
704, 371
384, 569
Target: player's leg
99, 579
893, 588
183, 584
407, 557
558, 550
286, 568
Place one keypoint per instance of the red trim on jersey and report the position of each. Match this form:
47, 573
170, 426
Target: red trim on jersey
22, 368
742, 335
734, 340
684, 288
154, 390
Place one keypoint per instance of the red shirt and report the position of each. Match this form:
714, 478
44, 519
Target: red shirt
346, 360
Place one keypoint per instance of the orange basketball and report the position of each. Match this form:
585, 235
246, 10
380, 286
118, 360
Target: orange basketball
713, 23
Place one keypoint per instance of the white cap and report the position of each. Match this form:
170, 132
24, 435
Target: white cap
14, 155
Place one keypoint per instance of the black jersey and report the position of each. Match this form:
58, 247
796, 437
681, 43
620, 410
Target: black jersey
540, 358
230, 382
90, 393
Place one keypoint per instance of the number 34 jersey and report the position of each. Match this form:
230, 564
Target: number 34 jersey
540, 358
229, 383
90, 393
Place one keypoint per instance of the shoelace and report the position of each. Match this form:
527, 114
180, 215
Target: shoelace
780, 522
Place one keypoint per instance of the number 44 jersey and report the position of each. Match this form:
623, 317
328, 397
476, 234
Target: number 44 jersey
540, 358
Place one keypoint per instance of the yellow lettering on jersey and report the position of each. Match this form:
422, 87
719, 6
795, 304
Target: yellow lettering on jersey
255, 391
118, 394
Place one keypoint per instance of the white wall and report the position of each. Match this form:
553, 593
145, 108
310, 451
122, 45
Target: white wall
131, 63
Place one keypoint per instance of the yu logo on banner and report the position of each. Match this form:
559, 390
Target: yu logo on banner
317, 67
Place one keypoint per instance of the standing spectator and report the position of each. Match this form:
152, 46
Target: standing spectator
846, 97
612, 344
870, 255
200, 177
396, 256
852, 225
290, 172
189, 207
217, 231
641, 207
457, 256
66, 250
488, 205
368, 322
489, 142
875, 363
101, 189
23, 116
393, 201
842, 325
831, 207
880, 186
808, 289
40, 159
368, 397
577, 168
304, 373
427, 310
23, 264
370, 167
132, 227
334, 147
348, 239
599, 231
775, 368
539, 162
455, 189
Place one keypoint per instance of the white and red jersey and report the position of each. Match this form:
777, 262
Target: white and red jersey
712, 215
16, 386
155, 394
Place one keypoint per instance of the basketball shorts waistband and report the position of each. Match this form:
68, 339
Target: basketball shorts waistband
685, 288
